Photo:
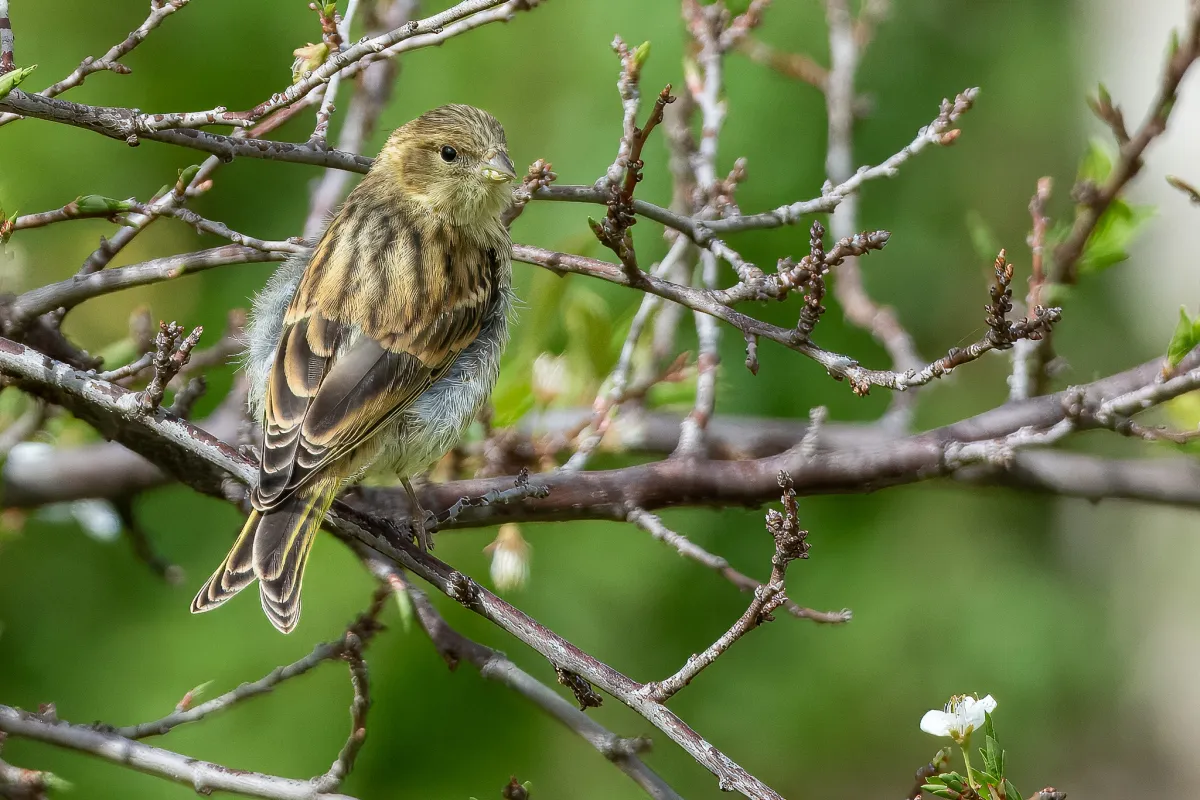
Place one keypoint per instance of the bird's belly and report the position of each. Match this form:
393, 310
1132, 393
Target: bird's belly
435, 421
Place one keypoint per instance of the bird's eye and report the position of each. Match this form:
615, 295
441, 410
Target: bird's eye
449, 153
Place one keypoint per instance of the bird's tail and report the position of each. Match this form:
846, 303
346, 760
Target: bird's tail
272, 547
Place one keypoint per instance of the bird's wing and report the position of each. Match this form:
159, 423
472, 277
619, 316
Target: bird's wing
335, 381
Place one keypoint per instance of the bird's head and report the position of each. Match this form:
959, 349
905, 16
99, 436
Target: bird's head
453, 159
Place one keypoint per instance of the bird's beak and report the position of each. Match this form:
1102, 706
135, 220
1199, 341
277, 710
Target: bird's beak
498, 169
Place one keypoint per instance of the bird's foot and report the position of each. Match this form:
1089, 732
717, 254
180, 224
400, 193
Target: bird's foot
424, 523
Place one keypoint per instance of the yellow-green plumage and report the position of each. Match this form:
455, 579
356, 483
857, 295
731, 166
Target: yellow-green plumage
389, 342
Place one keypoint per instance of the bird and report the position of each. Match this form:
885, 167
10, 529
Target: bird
376, 348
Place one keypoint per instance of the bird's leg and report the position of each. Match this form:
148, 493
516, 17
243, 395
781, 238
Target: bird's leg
419, 515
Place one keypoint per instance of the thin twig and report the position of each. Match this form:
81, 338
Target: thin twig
1026, 378
608, 403
716, 304
143, 549
790, 544
159, 10
24, 426
1129, 158
171, 352
849, 289
358, 634
73, 291
371, 94
654, 526
202, 776
493, 665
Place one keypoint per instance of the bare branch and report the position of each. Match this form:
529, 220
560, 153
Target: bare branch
716, 304
849, 289
207, 464
690, 550
790, 544
1129, 158
493, 665
203, 776
371, 94
73, 291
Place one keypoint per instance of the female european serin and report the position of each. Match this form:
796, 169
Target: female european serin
377, 348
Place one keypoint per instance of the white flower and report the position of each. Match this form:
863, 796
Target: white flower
962, 715
510, 558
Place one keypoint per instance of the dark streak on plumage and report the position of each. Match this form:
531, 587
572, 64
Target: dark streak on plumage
397, 287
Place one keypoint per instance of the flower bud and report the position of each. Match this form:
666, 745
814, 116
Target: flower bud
308, 58
510, 558
549, 378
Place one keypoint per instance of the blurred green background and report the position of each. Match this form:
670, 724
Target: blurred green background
953, 589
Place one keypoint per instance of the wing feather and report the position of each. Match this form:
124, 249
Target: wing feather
338, 375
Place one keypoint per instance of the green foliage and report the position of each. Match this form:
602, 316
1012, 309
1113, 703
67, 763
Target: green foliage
1109, 243
1097, 162
1117, 227
1184, 339
10, 80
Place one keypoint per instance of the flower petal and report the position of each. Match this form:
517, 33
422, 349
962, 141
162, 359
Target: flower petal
988, 704
937, 723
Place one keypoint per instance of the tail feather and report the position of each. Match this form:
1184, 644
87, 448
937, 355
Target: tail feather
274, 548
235, 573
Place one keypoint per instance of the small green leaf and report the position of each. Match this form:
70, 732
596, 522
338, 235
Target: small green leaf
941, 791
10, 80
1184, 339
989, 727
993, 756
640, 54
1115, 231
983, 778
99, 204
597, 229
185, 177
1097, 161
1105, 97
308, 58
1010, 791
953, 780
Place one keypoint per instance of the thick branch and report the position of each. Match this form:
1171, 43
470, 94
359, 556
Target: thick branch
206, 464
